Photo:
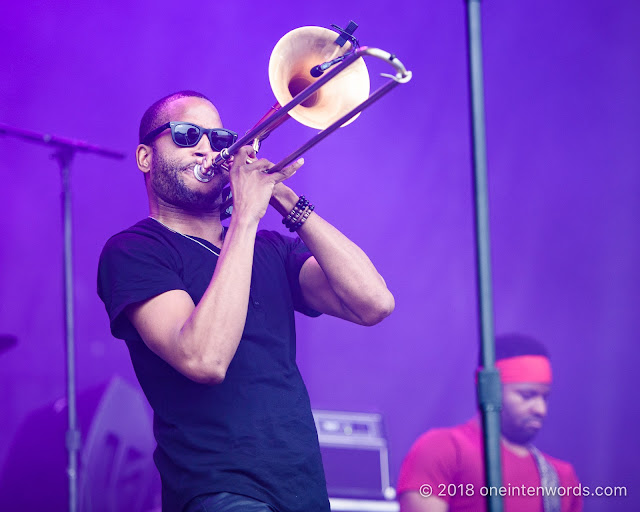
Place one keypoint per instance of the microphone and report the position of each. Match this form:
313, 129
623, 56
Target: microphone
345, 35
318, 70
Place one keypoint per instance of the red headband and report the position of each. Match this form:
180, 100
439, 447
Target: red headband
525, 369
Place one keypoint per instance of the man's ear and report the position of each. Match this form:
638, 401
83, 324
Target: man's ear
143, 157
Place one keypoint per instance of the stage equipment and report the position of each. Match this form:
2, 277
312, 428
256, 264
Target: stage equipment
354, 455
117, 472
65, 149
356, 505
295, 66
489, 388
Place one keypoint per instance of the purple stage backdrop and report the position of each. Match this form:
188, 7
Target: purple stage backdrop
563, 121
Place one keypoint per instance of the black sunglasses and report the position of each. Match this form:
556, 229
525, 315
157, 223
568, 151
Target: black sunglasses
187, 135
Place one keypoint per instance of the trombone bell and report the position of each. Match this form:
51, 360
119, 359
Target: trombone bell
289, 73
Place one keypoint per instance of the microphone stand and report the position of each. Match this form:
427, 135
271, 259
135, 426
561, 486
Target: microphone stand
489, 389
65, 149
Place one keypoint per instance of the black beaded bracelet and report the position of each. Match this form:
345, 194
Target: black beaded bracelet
302, 220
298, 215
297, 210
299, 207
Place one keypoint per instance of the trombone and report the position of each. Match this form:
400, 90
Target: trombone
297, 56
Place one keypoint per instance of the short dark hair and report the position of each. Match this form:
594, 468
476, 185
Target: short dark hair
513, 345
151, 119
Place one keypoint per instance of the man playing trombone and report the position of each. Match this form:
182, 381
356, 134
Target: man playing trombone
207, 313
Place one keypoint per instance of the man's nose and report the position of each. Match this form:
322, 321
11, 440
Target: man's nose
204, 150
539, 406
203, 147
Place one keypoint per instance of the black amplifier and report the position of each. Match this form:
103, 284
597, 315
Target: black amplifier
354, 454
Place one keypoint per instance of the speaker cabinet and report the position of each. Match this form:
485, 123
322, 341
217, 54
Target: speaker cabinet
354, 454
116, 471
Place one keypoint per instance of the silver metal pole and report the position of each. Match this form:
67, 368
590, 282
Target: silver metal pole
72, 438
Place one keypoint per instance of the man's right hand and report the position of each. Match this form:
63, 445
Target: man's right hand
251, 186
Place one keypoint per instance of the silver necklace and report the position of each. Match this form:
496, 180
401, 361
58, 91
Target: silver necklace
186, 236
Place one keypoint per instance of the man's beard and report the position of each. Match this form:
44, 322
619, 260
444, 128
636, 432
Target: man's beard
167, 181
518, 434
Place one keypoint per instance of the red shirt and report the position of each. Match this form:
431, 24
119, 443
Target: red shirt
450, 461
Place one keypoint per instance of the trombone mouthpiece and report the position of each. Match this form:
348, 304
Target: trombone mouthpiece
203, 175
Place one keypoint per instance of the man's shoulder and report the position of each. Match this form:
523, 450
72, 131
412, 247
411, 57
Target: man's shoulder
441, 437
144, 232
439, 433
143, 228
440, 456
132, 249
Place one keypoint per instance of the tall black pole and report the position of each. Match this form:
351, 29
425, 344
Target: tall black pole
489, 390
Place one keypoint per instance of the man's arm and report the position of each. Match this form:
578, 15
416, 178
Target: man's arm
339, 279
412, 501
200, 341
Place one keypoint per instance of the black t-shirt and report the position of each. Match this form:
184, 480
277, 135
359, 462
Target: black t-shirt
253, 434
